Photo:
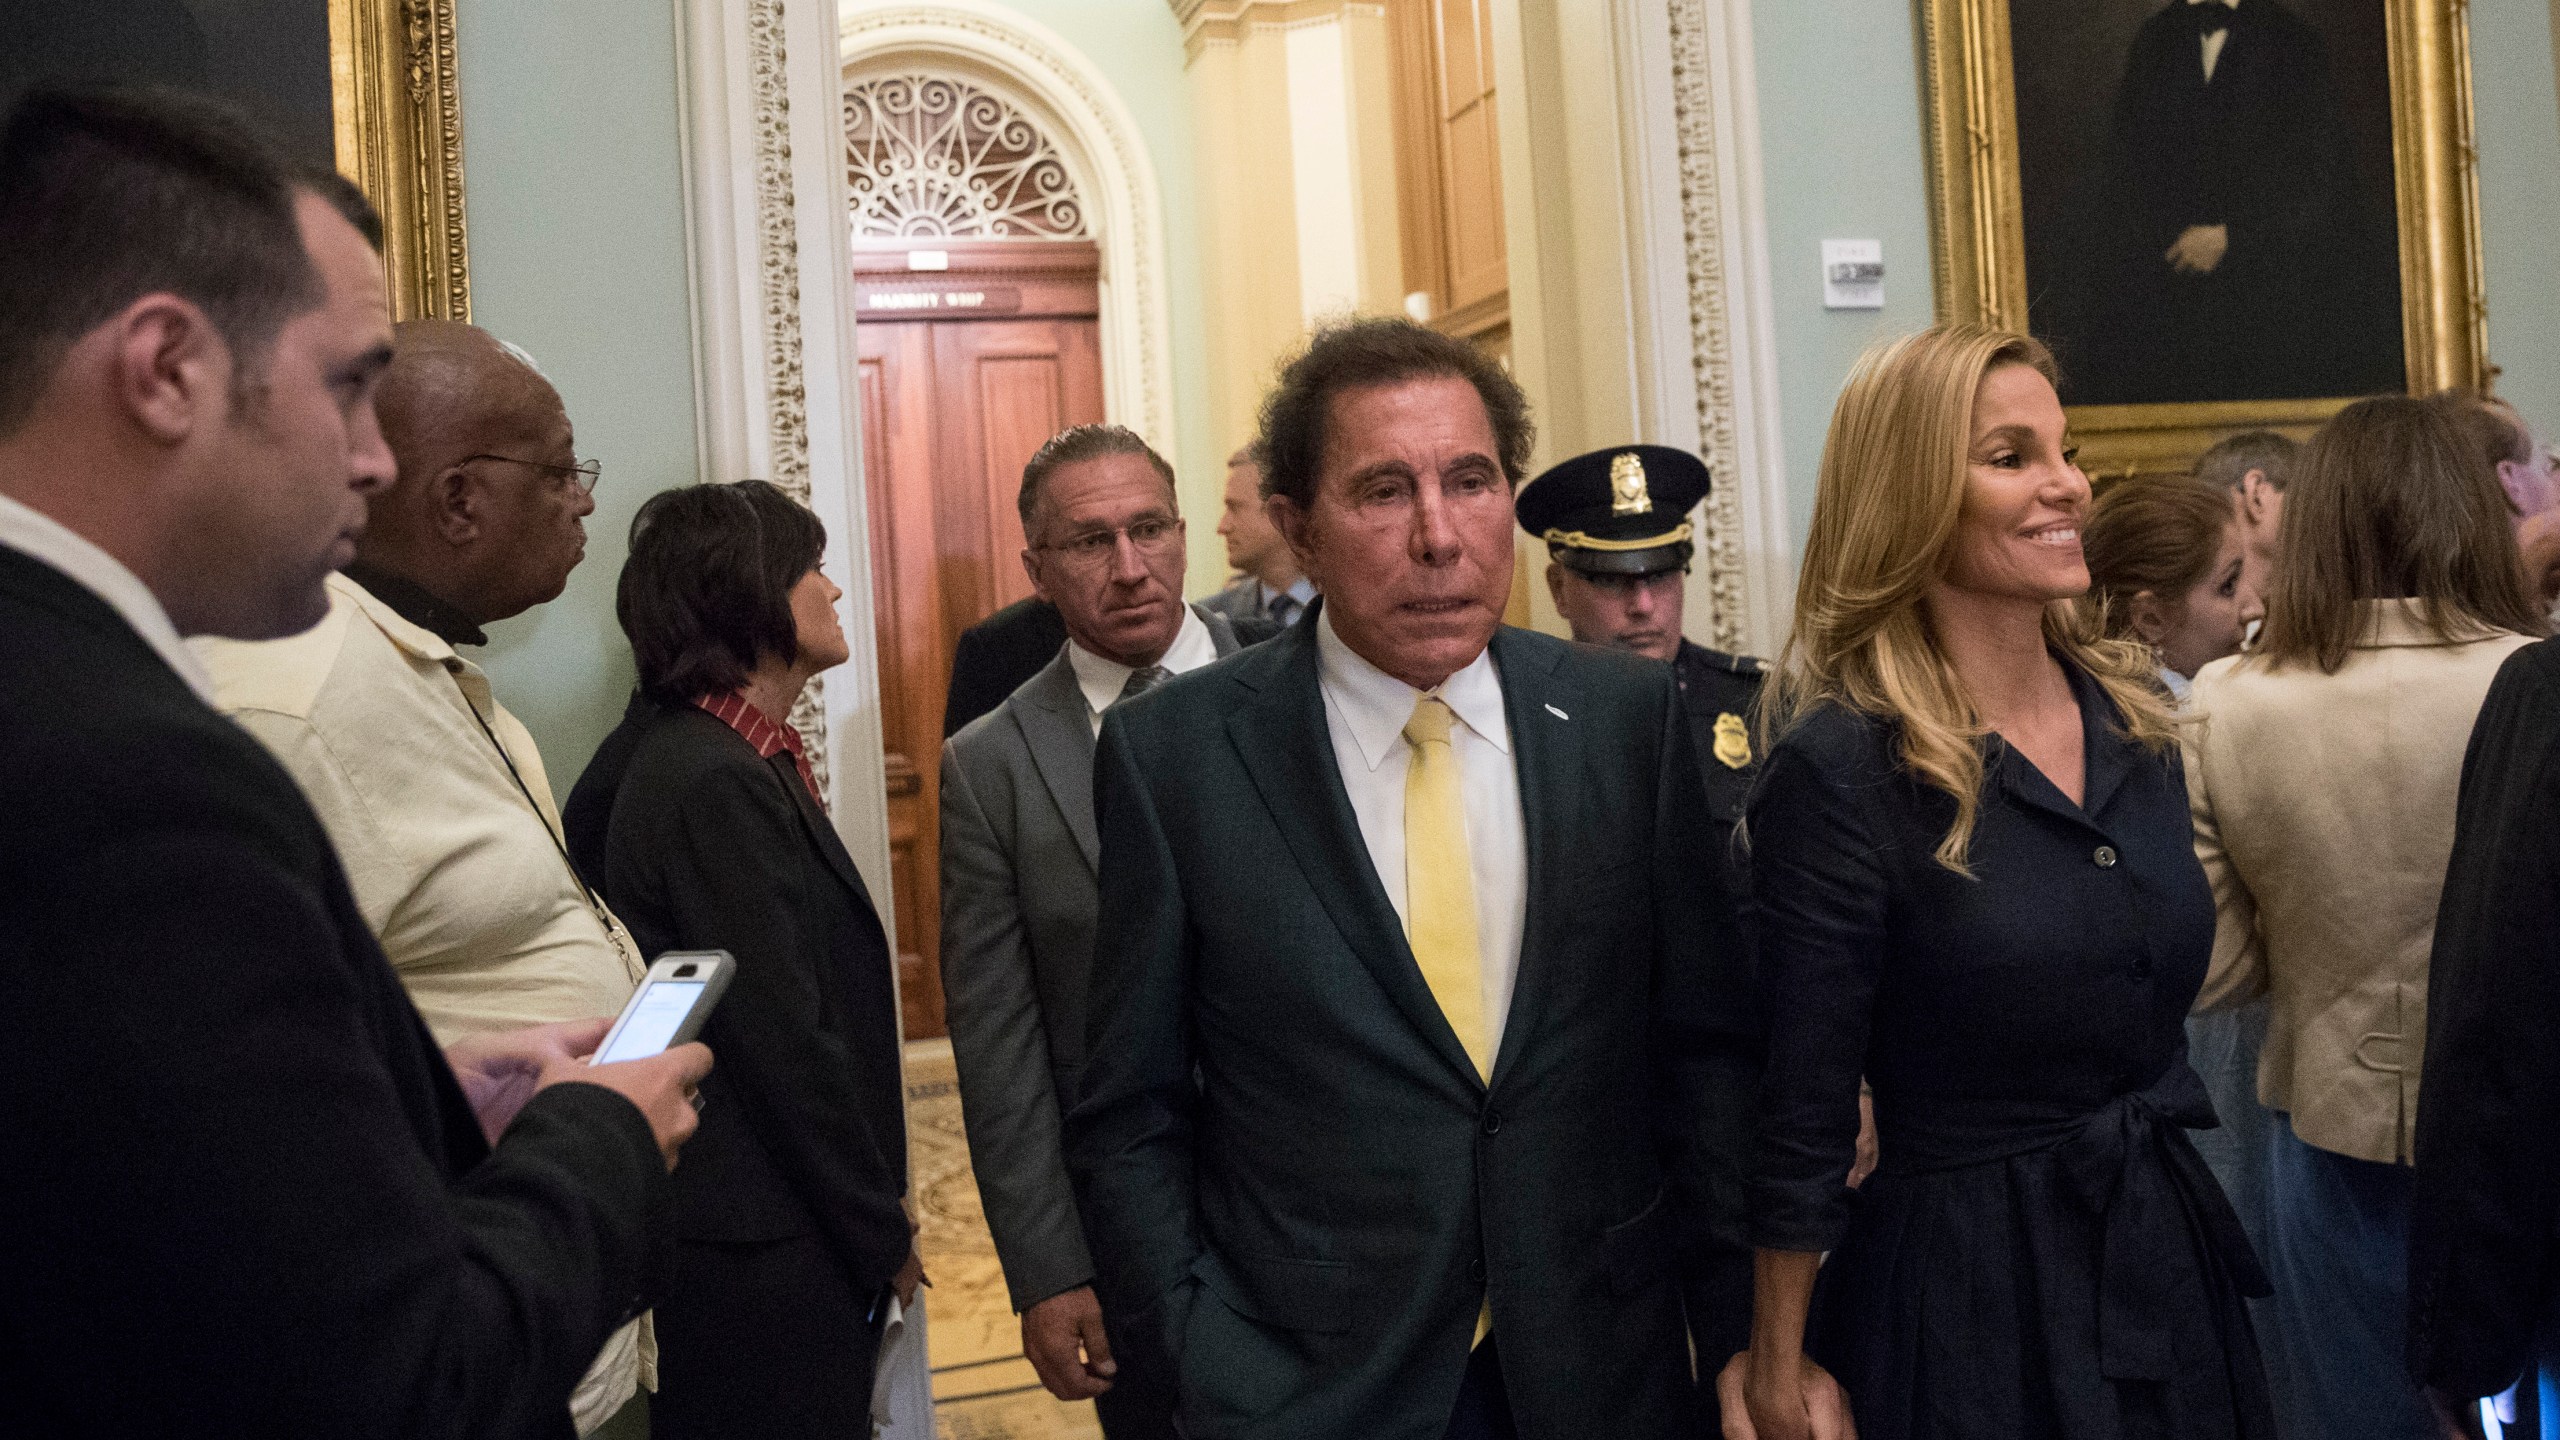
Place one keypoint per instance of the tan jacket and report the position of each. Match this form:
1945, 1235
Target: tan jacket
457, 874
2324, 816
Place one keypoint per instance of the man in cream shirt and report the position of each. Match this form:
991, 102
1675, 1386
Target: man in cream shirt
434, 795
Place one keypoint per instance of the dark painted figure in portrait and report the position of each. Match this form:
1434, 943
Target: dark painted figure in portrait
2234, 233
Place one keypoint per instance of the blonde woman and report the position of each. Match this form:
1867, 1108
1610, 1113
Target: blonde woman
1978, 889
2325, 772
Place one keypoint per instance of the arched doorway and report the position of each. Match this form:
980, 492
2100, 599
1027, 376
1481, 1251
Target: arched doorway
977, 300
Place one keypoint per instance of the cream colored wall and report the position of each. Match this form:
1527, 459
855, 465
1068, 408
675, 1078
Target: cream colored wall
1295, 153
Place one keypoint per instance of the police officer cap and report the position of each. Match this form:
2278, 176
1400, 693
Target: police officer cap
1620, 511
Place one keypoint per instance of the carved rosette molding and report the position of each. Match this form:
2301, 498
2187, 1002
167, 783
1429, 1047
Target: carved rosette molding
1710, 321
778, 261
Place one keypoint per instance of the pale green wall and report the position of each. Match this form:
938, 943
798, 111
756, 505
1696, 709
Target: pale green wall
1841, 122
1841, 159
2519, 132
573, 179
1137, 46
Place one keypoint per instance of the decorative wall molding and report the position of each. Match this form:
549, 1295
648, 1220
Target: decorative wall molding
1731, 338
1225, 22
937, 157
778, 263
771, 270
1098, 142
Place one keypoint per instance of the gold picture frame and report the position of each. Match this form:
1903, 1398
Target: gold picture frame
1977, 224
397, 105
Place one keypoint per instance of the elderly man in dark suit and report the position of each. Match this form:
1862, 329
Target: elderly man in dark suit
1019, 857
246, 1195
1413, 1002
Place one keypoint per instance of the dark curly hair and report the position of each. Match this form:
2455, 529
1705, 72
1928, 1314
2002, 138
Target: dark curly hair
1360, 354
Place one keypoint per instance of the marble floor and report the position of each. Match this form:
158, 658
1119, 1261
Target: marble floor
982, 1387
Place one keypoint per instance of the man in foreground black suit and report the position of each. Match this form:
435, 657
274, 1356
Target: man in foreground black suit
1412, 1002
246, 1194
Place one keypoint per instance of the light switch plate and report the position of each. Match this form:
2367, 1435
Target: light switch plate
1852, 274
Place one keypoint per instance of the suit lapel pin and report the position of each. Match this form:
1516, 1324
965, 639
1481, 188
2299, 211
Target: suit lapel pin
1558, 713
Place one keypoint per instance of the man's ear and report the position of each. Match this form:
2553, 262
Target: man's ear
1291, 521
2253, 498
168, 368
458, 504
1031, 567
1555, 583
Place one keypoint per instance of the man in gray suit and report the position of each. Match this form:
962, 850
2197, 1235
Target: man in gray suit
1019, 857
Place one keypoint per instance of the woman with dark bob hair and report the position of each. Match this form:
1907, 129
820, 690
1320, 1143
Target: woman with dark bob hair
701, 821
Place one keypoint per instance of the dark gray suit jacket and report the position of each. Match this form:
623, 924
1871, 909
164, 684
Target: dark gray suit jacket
1019, 856
1297, 1189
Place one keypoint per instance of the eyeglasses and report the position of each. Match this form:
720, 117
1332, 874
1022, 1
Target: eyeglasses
584, 474
1152, 534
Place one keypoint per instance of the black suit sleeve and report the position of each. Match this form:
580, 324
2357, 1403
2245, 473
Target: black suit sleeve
223, 1220
2484, 1238
735, 867
1129, 1138
1705, 1019
1822, 895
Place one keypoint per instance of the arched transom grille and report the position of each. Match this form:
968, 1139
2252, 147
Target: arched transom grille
930, 155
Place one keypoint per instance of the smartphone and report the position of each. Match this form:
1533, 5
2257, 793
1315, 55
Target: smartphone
668, 1009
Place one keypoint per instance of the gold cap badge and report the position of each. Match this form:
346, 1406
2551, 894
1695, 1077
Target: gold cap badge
1733, 741
1627, 492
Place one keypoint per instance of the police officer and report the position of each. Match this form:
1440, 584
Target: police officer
1616, 523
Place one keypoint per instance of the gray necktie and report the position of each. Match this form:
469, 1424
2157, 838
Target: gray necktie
1284, 608
1143, 680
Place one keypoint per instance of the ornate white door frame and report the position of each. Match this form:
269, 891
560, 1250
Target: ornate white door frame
1099, 143
1698, 235
773, 337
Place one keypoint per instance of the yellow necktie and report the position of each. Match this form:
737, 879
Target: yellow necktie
1440, 893
1439, 880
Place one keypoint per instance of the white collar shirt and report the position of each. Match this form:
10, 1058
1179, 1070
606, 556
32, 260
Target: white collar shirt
1102, 680
1301, 590
2213, 41
40, 537
1365, 710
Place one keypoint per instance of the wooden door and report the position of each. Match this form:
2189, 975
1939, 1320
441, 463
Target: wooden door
952, 406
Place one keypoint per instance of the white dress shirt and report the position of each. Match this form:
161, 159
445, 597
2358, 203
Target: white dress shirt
39, 536
1102, 680
2215, 40
1301, 592
1365, 710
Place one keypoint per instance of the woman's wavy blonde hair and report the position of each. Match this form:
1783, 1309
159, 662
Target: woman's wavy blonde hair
1892, 485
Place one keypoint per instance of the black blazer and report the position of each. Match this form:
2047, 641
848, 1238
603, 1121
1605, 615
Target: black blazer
1296, 1189
995, 656
244, 1194
2484, 1227
700, 844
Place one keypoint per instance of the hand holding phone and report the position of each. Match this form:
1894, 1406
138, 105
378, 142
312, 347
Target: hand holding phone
669, 1008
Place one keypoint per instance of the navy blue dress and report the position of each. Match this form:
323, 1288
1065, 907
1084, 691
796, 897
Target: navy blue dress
2041, 1252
